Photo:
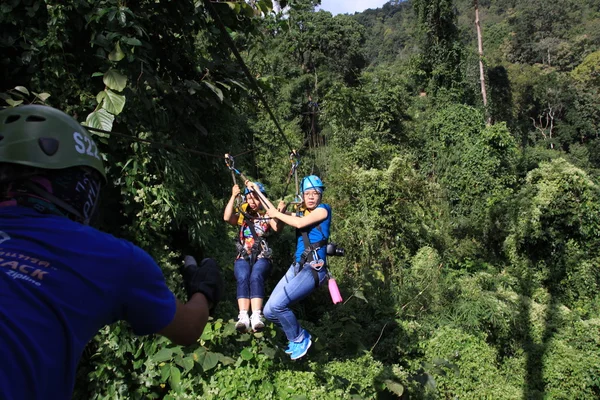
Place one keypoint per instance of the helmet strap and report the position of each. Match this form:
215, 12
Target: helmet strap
19, 193
55, 200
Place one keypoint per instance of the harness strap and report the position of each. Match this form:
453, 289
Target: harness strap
256, 247
311, 248
309, 251
254, 251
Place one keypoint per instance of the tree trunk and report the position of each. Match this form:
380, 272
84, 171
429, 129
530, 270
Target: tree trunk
480, 48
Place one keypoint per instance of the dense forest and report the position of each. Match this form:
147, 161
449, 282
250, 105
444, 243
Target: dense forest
464, 182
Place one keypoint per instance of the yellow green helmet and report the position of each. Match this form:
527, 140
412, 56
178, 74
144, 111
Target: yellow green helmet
44, 137
46, 154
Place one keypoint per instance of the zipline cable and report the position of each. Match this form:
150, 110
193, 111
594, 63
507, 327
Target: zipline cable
240, 60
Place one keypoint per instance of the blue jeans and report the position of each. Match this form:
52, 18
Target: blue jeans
296, 284
251, 279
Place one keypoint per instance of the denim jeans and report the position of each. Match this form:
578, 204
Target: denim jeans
296, 284
251, 280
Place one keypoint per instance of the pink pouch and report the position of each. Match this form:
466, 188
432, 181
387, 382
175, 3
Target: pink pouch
336, 297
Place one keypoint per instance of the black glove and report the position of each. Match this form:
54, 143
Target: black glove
205, 279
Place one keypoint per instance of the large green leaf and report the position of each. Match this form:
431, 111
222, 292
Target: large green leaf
215, 89
359, 294
13, 103
394, 387
229, 329
132, 41
188, 363
175, 378
269, 352
100, 119
224, 359
101, 96
115, 80
114, 102
165, 372
117, 54
206, 359
247, 354
163, 355
42, 96
22, 89
210, 361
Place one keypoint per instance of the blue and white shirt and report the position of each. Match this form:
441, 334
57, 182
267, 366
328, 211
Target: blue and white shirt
315, 234
60, 282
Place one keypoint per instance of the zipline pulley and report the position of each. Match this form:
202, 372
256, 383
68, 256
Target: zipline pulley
294, 171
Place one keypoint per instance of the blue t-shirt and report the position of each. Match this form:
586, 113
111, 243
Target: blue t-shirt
315, 235
60, 282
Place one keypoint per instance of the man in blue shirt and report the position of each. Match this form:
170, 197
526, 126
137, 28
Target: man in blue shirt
62, 280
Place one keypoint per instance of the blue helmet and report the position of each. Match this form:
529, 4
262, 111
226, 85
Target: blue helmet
261, 187
312, 182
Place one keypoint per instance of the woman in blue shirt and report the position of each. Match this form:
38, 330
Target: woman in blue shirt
308, 272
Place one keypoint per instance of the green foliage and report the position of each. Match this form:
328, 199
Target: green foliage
581, 367
20, 95
357, 377
441, 52
423, 286
485, 303
474, 164
297, 385
424, 193
542, 30
587, 72
389, 33
464, 366
391, 219
368, 119
555, 229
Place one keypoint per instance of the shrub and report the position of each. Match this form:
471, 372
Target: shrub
464, 366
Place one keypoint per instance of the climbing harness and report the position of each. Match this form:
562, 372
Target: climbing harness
260, 246
309, 255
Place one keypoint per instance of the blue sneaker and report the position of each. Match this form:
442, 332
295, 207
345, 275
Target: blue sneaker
299, 349
290, 346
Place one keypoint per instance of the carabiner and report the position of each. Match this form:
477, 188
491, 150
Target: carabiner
230, 162
266, 251
317, 265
